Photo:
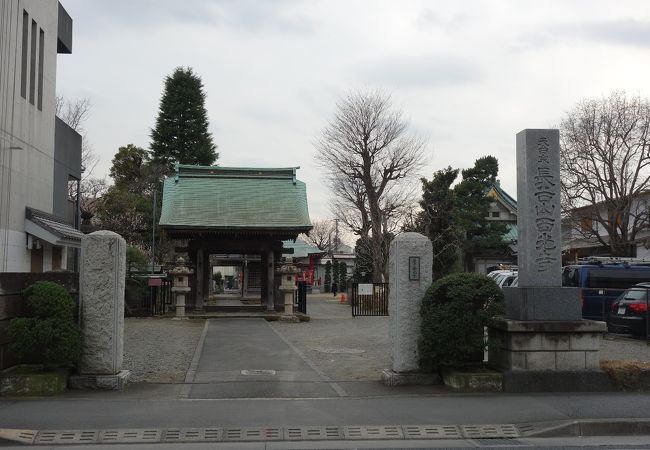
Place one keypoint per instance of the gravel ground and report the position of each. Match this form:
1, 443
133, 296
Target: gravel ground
344, 348
159, 350
622, 348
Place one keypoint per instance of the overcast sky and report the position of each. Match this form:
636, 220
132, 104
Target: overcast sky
467, 74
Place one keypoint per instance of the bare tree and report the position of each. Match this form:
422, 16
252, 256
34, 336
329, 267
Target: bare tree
321, 235
368, 156
75, 113
605, 149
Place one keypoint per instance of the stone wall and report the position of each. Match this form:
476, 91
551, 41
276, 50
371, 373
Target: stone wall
12, 303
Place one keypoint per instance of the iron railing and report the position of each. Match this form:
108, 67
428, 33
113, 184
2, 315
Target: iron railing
369, 299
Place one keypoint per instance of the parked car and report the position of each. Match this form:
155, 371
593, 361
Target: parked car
630, 310
602, 284
496, 273
505, 279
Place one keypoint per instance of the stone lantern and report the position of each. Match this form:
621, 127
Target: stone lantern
288, 272
180, 286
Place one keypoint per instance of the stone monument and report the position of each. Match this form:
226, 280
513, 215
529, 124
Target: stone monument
180, 276
410, 262
288, 289
101, 295
542, 343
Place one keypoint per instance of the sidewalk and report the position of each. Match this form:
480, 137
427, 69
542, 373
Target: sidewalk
325, 374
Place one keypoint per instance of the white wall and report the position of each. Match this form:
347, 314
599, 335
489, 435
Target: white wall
26, 174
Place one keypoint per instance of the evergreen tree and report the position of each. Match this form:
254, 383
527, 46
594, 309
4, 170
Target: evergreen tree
181, 133
456, 219
343, 276
473, 208
437, 220
335, 273
328, 276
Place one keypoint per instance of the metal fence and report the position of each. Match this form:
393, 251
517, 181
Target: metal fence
369, 299
143, 298
300, 297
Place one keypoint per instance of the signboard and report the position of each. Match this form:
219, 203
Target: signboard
365, 289
414, 268
154, 282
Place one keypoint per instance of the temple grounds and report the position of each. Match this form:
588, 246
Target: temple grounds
345, 349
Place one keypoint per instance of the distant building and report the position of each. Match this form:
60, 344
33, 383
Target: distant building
580, 230
312, 261
40, 156
503, 208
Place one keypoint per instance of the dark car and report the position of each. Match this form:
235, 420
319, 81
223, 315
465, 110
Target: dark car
602, 284
629, 311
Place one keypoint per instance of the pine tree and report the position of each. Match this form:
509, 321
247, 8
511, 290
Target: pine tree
181, 133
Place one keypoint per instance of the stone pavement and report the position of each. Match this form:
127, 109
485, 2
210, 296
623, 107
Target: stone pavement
246, 358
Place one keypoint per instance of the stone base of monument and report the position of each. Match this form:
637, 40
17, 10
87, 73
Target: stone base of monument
115, 382
478, 379
392, 378
543, 303
539, 356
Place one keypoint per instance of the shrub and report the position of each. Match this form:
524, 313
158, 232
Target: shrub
50, 337
454, 311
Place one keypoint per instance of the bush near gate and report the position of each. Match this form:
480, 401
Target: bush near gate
50, 337
454, 311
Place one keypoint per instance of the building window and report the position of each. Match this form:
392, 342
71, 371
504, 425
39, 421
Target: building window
586, 224
32, 65
41, 45
23, 61
496, 214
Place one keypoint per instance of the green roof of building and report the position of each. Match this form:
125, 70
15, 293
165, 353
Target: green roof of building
237, 198
511, 234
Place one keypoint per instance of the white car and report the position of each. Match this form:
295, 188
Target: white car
505, 279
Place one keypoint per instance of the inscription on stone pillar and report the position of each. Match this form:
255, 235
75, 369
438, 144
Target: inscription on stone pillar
538, 209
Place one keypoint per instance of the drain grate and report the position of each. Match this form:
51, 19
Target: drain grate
66, 437
373, 432
21, 436
312, 433
193, 434
490, 431
253, 434
130, 436
432, 432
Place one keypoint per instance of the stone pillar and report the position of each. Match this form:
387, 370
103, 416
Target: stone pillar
101, 294
180, 277
270, 277
288, 289
207, 276
542, 343
198, 280
244, 288
410, 262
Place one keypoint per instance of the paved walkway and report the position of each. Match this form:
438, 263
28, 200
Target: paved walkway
247, 358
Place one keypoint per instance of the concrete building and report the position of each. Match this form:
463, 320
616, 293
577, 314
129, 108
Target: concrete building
40, 156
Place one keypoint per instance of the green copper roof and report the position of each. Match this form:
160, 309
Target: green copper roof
511, 234
236, 198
